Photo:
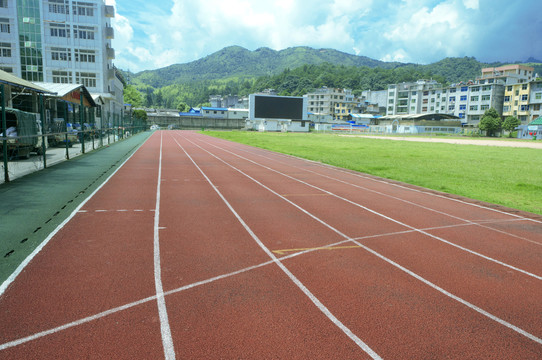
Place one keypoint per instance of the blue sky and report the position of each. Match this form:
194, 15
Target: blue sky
154, 34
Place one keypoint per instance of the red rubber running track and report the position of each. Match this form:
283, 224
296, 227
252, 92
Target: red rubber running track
202, 248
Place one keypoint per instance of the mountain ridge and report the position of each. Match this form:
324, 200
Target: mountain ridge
236, 61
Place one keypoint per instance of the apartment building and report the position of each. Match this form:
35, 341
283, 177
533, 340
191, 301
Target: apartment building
338, 103
418, 97
506, 89
535, 101
63, 42
509, 74
470, 101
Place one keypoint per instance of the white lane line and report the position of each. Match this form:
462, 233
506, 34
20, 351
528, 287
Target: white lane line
375, 179
538, 277
103, 314
416, 276
292, 277
167, 340
40, 247
478, 223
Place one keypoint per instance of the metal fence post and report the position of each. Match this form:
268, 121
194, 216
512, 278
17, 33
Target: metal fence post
66, 119
5, 135
43, 143
82, 120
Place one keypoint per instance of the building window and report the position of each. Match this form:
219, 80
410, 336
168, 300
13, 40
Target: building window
452, 98
474, 107
87, 79
524, 86
58, 7
484, 107
4, 26
59, 30
538, 96
85, 56
524, 108
524, 97
464, 88
83, 9
475, 89
61, 54
486, 88
3, 3
474, 98
463, 107
507, 99
463, 97
62, 77
5, 50
451, 108
486, 97
83, 32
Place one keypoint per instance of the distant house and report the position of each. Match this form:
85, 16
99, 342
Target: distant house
214, 112
192, 112
531, 131
277, 125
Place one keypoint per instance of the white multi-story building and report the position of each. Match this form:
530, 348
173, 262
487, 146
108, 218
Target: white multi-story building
413, 98
62, 41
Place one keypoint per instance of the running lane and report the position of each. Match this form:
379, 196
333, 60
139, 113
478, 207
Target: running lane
67, 302
445, 295
202, 248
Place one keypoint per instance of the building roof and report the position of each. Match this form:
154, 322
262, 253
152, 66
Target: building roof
213, 108
7, 78
62, 90
537, 121
363, 116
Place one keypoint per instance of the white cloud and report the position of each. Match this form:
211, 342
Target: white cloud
407, 30
472, 4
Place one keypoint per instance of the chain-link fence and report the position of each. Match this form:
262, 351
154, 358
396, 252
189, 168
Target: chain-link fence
27, 144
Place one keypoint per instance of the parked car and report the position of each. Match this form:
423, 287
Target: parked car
23, 132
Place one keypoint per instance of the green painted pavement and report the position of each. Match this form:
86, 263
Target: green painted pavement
33, 206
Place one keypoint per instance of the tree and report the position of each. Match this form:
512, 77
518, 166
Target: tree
183, 107
140, 114
510, 124
132, 96
491, 122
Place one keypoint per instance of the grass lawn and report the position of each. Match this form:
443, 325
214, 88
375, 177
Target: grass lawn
506, 176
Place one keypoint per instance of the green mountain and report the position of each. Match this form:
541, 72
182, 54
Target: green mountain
293, 71
238, 62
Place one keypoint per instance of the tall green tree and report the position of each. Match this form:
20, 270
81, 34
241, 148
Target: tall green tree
510, 124
132, 96
491, 122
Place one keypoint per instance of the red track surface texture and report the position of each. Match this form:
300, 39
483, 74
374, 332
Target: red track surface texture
202, 248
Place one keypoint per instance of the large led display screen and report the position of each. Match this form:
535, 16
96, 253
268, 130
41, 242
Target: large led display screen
278, 107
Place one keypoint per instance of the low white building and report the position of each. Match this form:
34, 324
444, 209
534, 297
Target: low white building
277, 125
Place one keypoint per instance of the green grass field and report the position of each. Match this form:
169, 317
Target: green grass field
500, 175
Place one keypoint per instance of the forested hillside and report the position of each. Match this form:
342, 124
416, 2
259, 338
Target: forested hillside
294, 71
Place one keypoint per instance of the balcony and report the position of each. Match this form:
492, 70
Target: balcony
110, 53
109, 11
109, 32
